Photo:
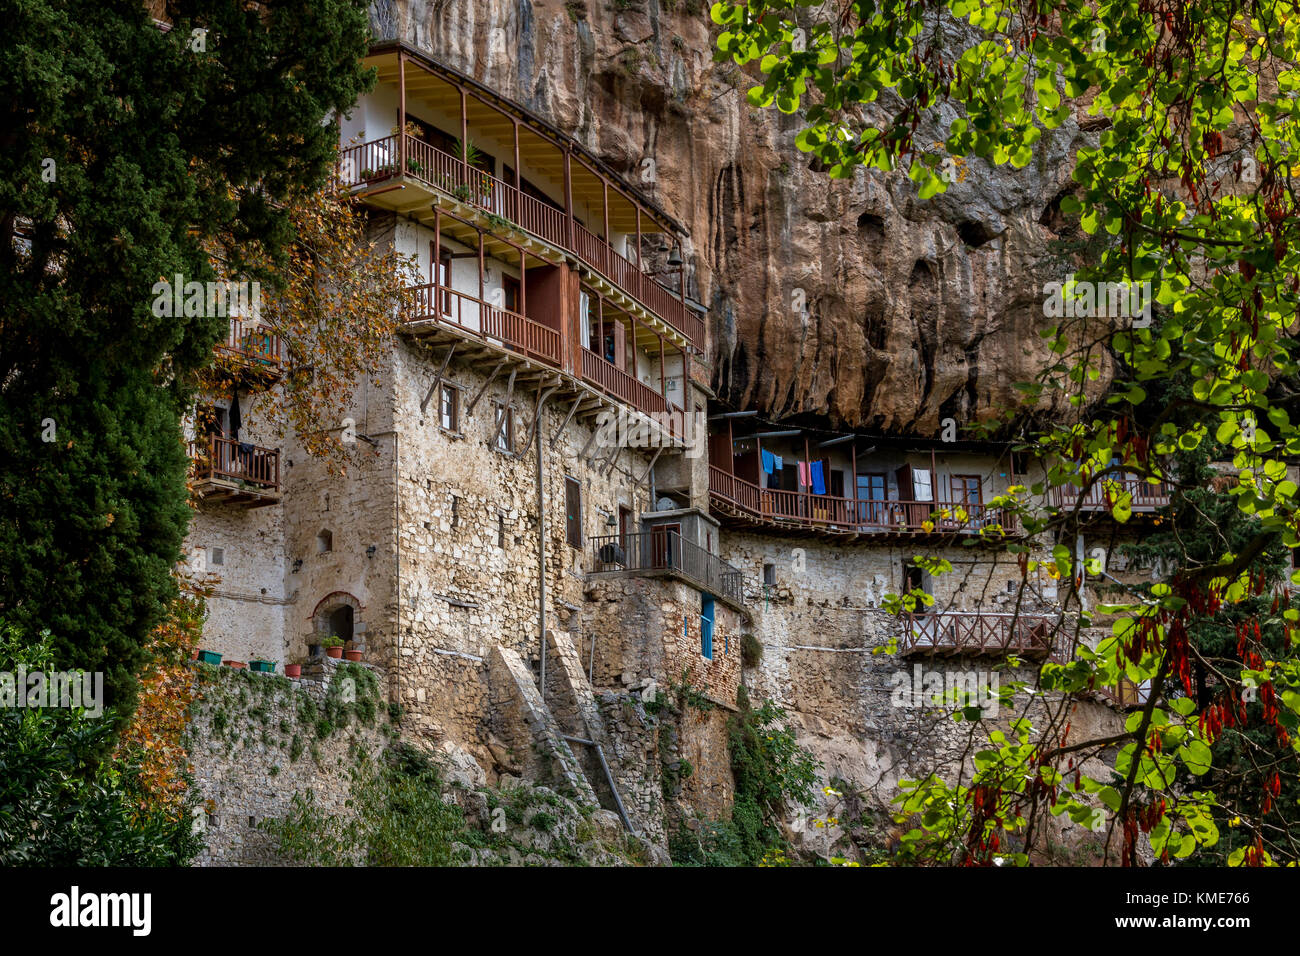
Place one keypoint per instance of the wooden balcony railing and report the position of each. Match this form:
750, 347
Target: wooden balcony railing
981, 633
856, 514
225, 459
1126, 694
253, 343
378, 160
1145, 496
618, 383
469, 313
664, 549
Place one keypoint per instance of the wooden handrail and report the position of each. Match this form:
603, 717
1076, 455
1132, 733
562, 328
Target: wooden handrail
226, 459
469, 313
976, 633
858, 514
618, 383
378, 160
253, 342
1143, 494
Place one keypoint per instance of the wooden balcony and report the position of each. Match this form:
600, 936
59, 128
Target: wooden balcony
617, 383
666, 551
1126, 694
376, 162
978, 634
1146, 497
230, 471
747, 503
254, 352
482, 320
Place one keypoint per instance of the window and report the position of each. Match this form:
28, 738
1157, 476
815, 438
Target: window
442, 276
966, 489
505, 432
501, 531
573, 512
872, 493
510, 288
455, 511
921, 486
450, 408
324, 542
769, 574
706, 626
837, 481
218, 555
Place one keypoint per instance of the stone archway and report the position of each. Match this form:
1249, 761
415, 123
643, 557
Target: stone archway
338, 613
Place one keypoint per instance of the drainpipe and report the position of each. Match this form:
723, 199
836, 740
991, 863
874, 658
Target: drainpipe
393, 686
541, 556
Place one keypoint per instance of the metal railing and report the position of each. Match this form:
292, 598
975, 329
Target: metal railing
666, 550
378, 160
978, 633
859, 514
226, 459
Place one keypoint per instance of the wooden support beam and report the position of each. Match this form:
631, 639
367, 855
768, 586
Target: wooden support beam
649, 468
505, 409
437, 379
483, 388
567, 418
542, 396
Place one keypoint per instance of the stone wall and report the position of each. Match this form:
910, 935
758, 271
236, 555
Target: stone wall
255, 740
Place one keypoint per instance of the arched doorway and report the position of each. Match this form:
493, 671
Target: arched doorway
338, 614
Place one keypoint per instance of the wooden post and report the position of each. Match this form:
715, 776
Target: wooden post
568, 191
663, 382
807, 491
482, 313
437, 261
604, 201
638, 237
854, 496
401, 113
518, 175
523, 282
464, 129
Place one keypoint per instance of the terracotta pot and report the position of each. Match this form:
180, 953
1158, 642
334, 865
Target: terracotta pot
292, 670
334, 652
237, 665
352, 655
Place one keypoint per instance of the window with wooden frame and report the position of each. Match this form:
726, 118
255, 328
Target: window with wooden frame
966, 489
449, 408
573, 512
505, 433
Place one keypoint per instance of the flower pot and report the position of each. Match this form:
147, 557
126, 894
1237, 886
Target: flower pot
237, 665
334, 652
262, 667
209, 657
292, 670
352, 655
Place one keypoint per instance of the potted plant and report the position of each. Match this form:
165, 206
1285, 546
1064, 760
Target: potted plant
352, 652
237, 665
209, 657
292, 670
261, 667
333, 646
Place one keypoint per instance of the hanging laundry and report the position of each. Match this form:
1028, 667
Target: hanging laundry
818, 479
777, 463
803, 474
767, 462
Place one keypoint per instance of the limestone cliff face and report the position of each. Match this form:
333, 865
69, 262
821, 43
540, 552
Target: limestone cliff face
911, 311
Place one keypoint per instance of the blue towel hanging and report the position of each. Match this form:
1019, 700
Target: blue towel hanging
818, 479
767, 462
777, 463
